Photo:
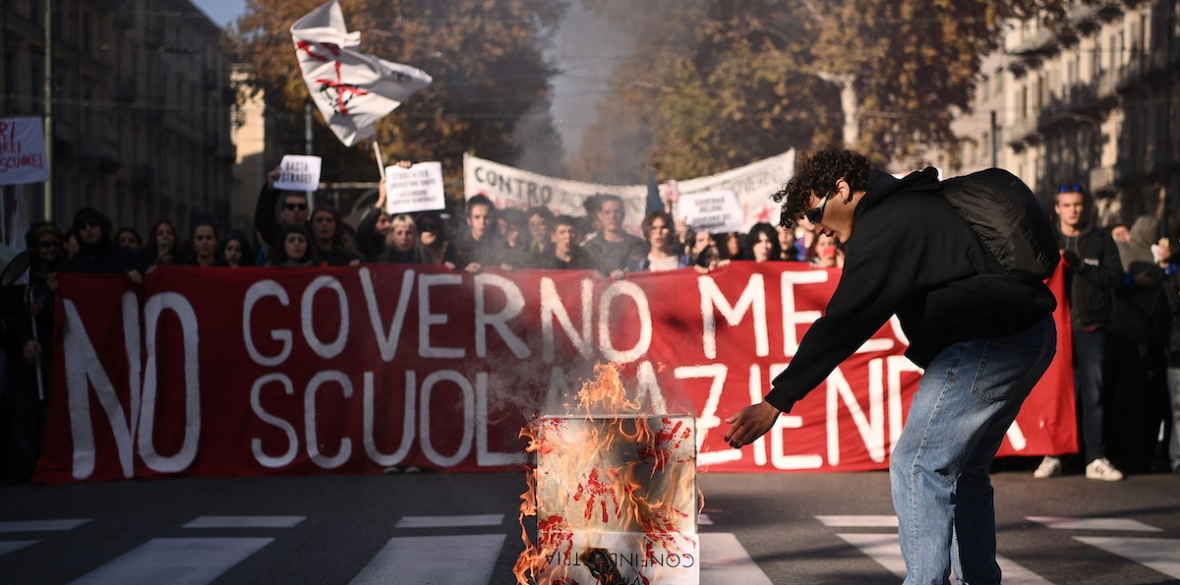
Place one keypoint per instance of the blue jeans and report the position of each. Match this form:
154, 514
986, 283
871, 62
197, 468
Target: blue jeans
967, 399
1089, 353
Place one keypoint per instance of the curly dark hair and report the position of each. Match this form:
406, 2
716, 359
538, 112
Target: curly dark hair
818, 174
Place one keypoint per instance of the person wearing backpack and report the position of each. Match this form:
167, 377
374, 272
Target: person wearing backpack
983, 338
1093, 271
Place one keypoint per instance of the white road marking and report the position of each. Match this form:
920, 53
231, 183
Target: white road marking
704, 520
1064, 523
859, 521
428, 560
886, 550
245, 522
176, 561
1161, 554
450, 521
724, 561
42, 525
7, 546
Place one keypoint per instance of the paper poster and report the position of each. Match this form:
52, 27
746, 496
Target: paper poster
299, 172
418, 188
712, 211
22, 151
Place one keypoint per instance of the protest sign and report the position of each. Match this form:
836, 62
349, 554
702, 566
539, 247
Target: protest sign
22, 151
418, 188
299, 173
712, 211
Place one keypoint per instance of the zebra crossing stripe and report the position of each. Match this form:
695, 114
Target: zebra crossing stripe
176, 561
859, 521
1062, 523
245, 522
427, 560
886, 550
7, 546
724, 561
450, 521
1161, 554
42, 525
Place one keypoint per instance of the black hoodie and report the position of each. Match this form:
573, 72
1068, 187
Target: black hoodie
910, 254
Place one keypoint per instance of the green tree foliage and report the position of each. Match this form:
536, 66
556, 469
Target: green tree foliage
484, 56
713, 84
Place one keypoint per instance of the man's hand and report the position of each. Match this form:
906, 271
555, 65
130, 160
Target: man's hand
273, 176
750, 423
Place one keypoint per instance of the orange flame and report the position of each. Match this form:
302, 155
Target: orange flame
611, 497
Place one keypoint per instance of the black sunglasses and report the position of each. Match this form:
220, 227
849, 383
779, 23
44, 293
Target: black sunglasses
91, 223
296, 206
426, 227
816, 214
1069, 189
48, 244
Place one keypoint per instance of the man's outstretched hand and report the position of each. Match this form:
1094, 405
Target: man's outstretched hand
750, 423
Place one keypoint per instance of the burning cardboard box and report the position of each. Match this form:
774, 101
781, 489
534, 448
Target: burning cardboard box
616, 500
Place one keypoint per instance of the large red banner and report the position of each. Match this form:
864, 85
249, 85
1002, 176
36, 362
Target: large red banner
256, 371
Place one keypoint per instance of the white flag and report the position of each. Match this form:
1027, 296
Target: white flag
353, 90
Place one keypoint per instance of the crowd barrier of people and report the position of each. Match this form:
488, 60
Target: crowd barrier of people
1127, 294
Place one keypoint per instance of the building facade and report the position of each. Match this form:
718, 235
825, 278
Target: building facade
139, 112
1092, 101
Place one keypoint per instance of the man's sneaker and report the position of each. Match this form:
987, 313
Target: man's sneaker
1100, 468
1049, 467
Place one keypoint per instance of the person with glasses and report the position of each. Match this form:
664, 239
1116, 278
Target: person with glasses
276, 210
98, 252
433, 242
983, 339
1093, 271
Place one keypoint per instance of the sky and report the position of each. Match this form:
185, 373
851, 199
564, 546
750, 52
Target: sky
222, 12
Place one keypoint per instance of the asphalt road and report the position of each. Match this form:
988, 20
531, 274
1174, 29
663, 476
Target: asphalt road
462, 528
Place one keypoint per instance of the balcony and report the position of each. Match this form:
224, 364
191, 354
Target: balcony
1103, 179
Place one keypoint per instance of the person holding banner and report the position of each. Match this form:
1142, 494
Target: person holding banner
97, 252
480, 245
433, 242
564, 253
294, 249
611, 249
983, 339
401, 245
664, 250
331, 243
762, 243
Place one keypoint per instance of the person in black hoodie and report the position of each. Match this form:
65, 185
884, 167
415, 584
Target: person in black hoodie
97, 252
983, 339
1093, 272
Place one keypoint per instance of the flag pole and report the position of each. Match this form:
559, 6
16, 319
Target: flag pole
380, 159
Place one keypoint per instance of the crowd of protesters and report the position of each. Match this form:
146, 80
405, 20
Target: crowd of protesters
289, 233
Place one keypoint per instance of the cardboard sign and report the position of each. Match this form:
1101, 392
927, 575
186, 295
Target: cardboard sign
22, 151
299, 173
712, 211
418, 188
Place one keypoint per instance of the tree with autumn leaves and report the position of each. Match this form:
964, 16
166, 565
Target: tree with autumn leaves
713, 84
490, 77
708, 85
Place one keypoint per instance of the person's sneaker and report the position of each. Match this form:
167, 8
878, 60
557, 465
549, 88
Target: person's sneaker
1049, 467
1102, 469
